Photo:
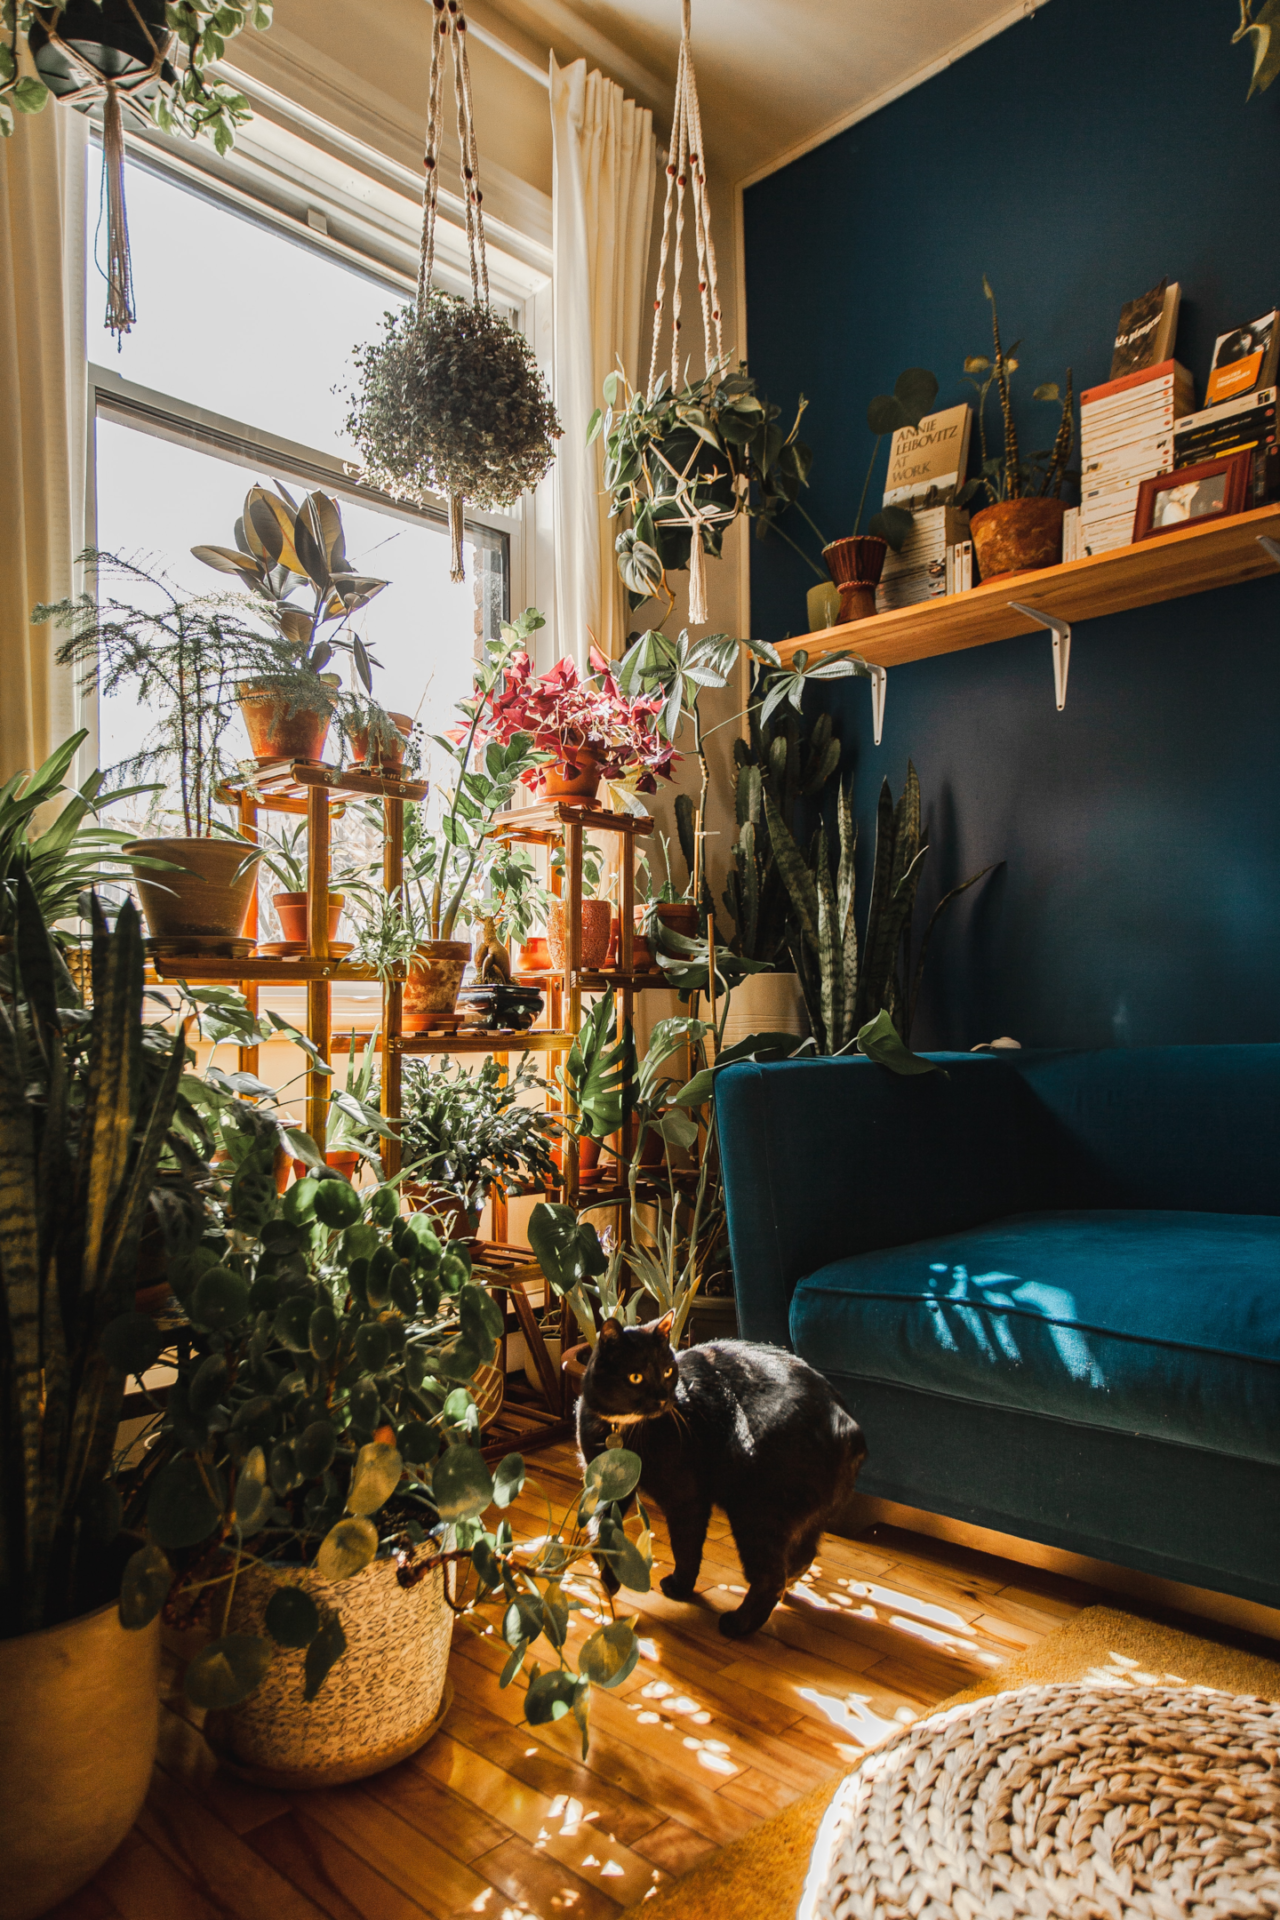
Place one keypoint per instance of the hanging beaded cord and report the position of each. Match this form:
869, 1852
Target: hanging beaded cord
450, 24
121, 312
686, 168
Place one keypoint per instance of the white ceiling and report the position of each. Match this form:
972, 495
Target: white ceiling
774, 76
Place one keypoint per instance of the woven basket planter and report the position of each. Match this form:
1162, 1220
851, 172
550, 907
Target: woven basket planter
382, 1700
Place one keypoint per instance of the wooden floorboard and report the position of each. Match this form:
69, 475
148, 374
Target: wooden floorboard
707, 1738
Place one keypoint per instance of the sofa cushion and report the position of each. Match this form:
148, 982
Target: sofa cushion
1156, 1323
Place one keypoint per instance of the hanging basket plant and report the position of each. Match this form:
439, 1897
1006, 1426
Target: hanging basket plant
450, 400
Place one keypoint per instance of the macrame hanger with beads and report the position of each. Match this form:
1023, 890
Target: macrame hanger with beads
115, 93
449, 24
687, 175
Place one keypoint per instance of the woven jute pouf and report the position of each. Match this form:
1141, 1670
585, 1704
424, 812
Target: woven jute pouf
1085, 1802
381, 1700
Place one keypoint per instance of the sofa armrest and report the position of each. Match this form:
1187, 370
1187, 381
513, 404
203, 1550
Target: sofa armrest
824, 1158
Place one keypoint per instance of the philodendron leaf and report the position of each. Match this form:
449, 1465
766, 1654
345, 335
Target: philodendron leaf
145, 1587
328, 1647
292, 1617
376, 1477
185, 1504
508, 1479
609, 1656
461, 1484
347, 1548
881, 1042
227, 1671
611, 1476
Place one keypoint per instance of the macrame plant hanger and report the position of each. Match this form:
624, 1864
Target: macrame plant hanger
449, 24
686, 174
115, 93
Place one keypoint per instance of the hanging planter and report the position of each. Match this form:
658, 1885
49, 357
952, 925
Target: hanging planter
450, 400
120, 53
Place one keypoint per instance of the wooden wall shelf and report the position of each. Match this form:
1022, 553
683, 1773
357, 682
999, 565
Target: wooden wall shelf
1169, 567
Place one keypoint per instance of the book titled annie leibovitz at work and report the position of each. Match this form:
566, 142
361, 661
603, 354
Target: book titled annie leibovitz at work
927, 464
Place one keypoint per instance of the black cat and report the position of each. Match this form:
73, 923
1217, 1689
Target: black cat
751, 1429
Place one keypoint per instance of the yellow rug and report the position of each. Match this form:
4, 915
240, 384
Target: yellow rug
762, 1877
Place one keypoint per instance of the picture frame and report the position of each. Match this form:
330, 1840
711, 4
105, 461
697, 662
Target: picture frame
1206, 491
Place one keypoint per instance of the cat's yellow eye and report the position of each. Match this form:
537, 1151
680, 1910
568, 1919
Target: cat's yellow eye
671, 1373
636, 1379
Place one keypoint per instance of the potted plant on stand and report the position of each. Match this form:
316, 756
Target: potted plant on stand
282, 546
284, 854
183, 659
81, 1136
1020, 530
463, 1133
857, 561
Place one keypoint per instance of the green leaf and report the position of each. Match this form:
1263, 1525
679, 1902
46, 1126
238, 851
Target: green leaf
315, 1447
292, 1617
915, 391
461, 1484
612, 1475
555, 1615
610, 1654
508, 1479
144, 1587
182, 1510
377, 1475
373, 1346
347, 1548
550, 1697
880, 1041
328, 1647
254, 1496
30, 94
227, 1671
522, 1620
220, 1300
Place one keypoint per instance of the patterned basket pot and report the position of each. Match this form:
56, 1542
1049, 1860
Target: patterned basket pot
381, 1701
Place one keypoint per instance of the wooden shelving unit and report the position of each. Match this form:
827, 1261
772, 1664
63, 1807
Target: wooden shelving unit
1170, 566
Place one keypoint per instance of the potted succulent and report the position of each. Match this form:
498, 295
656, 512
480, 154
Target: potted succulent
463, 1133
584, 727
82, 1128
379, 740
281, 547
856, 561
1021, 529
183, 659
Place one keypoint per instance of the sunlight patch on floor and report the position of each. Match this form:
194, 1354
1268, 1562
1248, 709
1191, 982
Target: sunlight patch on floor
852, 1715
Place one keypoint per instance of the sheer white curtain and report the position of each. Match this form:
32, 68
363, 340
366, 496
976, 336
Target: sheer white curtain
43, 402
602, 207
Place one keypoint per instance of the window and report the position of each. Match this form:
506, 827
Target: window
229, 378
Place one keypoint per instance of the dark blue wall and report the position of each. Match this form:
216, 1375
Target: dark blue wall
1075, 159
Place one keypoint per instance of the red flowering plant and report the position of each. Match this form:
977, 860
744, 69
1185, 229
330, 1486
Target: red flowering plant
570, 716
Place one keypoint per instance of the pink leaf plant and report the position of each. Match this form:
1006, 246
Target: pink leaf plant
568, 714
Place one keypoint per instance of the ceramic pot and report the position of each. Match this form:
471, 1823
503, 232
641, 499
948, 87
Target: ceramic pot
277, 734
112, 40
291, 911
579, 781
382, 1700
1017, 536
597, 916
388, 758
856, 564
712, 1317
552, 1345
766, 1003
207, 896
535, 956
822, 604
79, 1717
431, 990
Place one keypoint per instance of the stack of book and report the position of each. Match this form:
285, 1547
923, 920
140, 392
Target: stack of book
920, 572
1126, 437
1234, 426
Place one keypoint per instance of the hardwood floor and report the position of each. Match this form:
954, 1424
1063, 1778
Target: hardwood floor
493, 1818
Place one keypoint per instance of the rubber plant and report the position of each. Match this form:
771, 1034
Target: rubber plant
79, 1151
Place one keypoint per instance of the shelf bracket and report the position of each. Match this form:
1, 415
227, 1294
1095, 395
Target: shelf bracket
1061, 632
1270, 546
879, 681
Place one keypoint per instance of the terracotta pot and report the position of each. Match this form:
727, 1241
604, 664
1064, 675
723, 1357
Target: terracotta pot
641, 953
574, 1365
382, 1700
389, 758
79, 1717
594, 940
343, 1160
856, 564
205, 898
681, 916
431, 990
275, 733
452, 1218
291, 911
822, 604
579, 782
535, 956
1017, 536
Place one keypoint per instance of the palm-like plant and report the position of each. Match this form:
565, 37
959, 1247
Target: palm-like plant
79, 1149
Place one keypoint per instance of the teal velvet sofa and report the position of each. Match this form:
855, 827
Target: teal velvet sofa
1047, 1285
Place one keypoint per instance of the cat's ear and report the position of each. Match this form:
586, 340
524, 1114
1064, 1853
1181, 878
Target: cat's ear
610, 1331
666, 1323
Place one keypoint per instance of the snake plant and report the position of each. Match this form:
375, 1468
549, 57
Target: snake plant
79, 1149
